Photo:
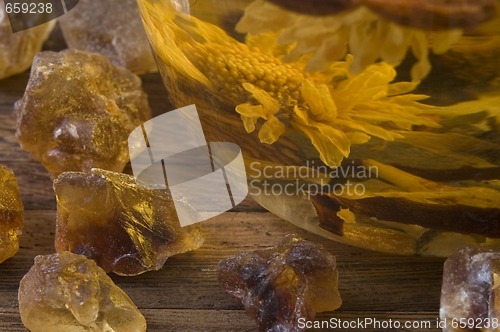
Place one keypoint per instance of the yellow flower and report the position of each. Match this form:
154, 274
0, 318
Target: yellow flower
335, 118
365, 34
332, 108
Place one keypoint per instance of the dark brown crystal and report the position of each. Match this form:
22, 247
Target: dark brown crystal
280, 285
471, 289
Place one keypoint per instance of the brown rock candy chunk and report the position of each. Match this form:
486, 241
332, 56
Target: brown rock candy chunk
18, 49
126, 228
11, 214
279, 285
471, 289
78, 110
112, 28
65, 292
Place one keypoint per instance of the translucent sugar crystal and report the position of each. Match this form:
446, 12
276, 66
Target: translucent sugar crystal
18, 49
279, 285
11, 214
78, 110
65, 292
112, 28
125, 227
471, 289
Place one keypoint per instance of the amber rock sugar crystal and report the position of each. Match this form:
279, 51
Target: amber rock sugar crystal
112, 28
65, 292
18, 49
280, 285
471, 290
125, 227
78, 110
11, 214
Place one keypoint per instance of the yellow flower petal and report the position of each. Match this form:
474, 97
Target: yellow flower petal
421, 52
369, 129
328, 151
312, 97
250, 110
331, 143
319, 99
337, 137
402, 88
271, 130
369, 85
301, 115
271, 105
358, 138
249, 123
328, 102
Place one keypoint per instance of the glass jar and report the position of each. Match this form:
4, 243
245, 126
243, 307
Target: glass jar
368, 122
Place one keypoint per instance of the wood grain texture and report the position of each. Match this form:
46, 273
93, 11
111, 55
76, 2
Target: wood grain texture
370, 283
184, 295
187, 320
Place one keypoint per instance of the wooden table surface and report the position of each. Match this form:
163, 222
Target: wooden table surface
185, 295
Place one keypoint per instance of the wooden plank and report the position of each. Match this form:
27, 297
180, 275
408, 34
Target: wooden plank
368, 281
180, 320
10, 320
228, 320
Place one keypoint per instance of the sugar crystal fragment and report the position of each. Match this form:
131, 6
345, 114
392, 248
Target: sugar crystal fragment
11, 214
65, 292
78, 110
281, 285
112, 28
125, 227
18, 49
471, 290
